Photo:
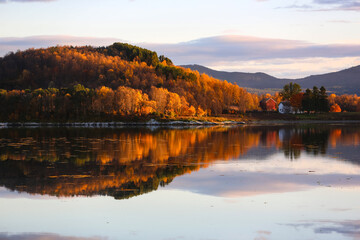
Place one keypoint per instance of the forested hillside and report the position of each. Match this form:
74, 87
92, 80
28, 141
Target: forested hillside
120, 79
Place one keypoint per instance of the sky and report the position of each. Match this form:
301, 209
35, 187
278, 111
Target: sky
284, 38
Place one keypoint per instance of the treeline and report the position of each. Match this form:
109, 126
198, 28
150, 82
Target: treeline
312, 100
118, 65
80, 103
345, 103
315, 100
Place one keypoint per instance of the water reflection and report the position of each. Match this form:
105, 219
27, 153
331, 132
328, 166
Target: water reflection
313, 140
349, 228
43, 236
127, 162
246, 178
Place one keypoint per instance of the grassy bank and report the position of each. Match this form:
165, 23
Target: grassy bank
275, 116
271, 116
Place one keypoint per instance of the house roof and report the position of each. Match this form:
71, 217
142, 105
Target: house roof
285, 103
267, 99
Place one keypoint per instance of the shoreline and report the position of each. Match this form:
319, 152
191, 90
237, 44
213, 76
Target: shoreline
288, 122
150, 123
155, 123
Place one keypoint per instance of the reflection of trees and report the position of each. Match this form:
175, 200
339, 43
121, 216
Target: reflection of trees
121, 163
60, 179
313, 140
128, 162
292, 148
106, 146
346, 136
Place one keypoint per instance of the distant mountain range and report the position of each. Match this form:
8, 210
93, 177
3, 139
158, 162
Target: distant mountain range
342, 82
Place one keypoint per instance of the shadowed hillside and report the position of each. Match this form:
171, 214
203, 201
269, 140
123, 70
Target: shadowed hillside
343, 82
250, 80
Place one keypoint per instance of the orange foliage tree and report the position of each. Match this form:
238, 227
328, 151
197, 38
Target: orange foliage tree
296, 101
335, 108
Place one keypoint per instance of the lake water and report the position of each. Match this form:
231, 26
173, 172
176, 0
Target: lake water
249, 182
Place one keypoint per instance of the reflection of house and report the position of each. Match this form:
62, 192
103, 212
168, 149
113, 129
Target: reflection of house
285, 107
268, 104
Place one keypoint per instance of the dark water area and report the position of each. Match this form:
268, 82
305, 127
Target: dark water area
247, 182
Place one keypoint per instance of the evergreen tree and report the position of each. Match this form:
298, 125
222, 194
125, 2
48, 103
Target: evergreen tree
307, 103
315, 99
324, 101
290, 90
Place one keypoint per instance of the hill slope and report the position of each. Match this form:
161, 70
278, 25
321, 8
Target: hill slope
249, 80
345, 81
116, 66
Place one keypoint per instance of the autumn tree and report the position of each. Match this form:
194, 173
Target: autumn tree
347, 103
289, 90
296, 101
104, 101
335, 108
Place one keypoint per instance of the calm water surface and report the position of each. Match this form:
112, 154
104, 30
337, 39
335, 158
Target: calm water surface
251, 182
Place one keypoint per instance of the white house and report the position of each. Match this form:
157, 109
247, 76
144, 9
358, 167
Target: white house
285, 107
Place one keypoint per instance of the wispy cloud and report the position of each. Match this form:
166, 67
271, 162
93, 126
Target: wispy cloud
338, 2
22, 43
289, 67
279, 57
354, 6
298, 6
328, 5
42, 236
269, 176
245, 48
25, 1
340, 21
349, 228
